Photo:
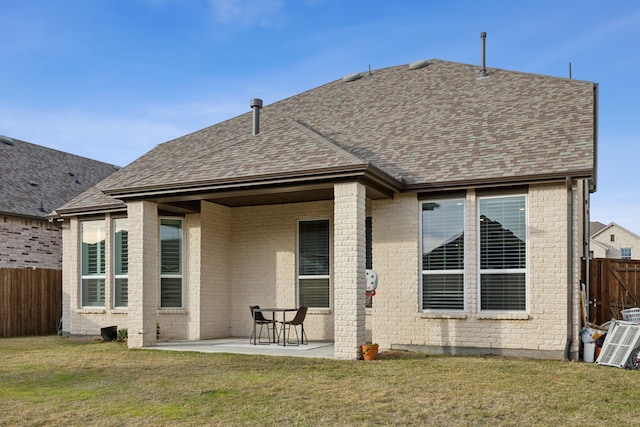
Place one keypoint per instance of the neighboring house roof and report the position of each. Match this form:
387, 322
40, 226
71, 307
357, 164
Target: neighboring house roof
611, 225
595, 226
436, 127
37, 179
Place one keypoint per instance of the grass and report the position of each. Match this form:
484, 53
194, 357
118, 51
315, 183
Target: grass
48, 381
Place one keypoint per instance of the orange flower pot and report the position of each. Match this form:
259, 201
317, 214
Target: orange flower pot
370, 351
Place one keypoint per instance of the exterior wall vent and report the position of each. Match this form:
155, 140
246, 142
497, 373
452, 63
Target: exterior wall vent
351, 77
418, 64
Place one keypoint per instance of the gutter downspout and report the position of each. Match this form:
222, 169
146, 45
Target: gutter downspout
567, 349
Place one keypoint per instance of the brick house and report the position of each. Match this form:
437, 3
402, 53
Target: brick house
613, 241
467, 194
36, 180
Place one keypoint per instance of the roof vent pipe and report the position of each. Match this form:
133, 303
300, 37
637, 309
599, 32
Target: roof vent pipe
256, 105
483, 72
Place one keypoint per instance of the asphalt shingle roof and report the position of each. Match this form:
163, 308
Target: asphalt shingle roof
440, 125
36, 179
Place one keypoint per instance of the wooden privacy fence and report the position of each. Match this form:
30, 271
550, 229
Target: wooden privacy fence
30, 301
614, 284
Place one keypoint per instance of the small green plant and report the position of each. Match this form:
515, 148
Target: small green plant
123, 334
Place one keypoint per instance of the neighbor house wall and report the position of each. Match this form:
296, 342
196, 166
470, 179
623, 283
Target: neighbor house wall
542, 330
622, 239
30, 243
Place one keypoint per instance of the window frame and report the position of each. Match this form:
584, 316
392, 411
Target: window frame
327, 277
505, 271
623, 255
119, 276
100, 261
179, 275
461, 272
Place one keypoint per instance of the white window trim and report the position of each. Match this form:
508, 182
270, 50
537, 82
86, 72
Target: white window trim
323, 276
511, 270
172, 276
428, 272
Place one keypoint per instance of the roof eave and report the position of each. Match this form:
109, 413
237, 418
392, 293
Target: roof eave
500, 181
371, 173
88, 210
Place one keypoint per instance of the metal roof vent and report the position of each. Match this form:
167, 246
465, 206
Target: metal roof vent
483, 72
418, 64
6, 140
33, 183
351, 77
256, 105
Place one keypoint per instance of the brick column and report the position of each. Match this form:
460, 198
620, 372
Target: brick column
144, 279
349, 269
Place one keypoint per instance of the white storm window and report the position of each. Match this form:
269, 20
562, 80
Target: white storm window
171, 248
503, 253
313, 263
443, 255
625, 253
92, 292
121, 263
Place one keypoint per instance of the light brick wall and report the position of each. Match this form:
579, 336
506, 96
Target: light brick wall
144, 268
398, 321
30, 243
395, 227
236, 257
215, 286
349, 271
263, 263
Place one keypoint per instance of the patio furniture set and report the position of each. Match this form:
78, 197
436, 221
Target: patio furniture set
278, 331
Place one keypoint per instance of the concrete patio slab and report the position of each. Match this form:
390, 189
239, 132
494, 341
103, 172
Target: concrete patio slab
317, 349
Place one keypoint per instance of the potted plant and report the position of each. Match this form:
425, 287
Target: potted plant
370, 351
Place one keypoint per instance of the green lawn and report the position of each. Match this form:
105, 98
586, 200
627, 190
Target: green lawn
48, 381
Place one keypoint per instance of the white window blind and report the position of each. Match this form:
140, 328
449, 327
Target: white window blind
443, 255
503, 253
93, 264
313, 263
121, 263
171, 248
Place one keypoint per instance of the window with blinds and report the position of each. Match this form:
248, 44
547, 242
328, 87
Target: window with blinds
313, 263
92, 292
503, 253
443, 254
121, 262
171, 248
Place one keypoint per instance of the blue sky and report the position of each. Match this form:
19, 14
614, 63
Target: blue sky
111, 79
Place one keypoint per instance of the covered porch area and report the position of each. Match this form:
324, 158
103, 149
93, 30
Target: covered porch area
244, 250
